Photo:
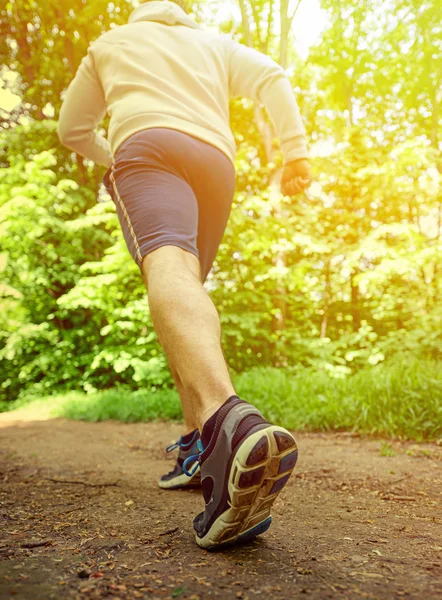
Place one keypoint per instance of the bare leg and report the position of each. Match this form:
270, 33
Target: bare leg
188, 328
190, 423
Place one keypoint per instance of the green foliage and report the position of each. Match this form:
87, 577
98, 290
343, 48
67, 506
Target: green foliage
44, 240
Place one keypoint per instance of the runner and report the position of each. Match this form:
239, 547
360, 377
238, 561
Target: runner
166, 85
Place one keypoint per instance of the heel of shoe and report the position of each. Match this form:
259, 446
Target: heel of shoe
260, 469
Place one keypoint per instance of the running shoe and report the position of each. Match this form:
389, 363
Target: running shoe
188, 445
245, 463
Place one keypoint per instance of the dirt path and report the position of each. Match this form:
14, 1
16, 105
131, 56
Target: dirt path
83, 518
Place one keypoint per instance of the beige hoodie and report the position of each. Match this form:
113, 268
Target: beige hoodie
163, 70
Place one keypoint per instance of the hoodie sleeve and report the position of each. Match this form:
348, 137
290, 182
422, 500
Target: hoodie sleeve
254, 75
82, 110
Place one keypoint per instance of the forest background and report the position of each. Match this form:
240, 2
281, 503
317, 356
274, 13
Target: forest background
330, 302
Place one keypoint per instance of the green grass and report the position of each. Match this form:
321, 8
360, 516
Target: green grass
118, 404
400, 400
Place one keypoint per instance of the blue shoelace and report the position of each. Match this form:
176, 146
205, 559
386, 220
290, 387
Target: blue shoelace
195, 458
180, 444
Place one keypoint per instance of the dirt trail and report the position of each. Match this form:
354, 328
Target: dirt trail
82, 517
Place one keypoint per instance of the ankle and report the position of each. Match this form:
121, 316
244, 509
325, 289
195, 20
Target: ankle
187, 429
207, 402
208, 411
189, 436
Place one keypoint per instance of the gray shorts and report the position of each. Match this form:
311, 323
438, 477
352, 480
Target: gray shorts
171, 189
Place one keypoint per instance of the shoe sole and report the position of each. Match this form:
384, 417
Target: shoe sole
261, 467
181, 481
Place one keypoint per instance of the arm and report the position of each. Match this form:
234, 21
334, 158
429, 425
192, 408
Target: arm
82, 110
256, 76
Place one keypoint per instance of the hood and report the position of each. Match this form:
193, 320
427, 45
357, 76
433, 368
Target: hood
162, 11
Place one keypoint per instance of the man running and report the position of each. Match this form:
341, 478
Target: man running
166, 84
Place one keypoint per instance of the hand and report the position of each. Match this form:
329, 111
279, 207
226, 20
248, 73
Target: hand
296, 177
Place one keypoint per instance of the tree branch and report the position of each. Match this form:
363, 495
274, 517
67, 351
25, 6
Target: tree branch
245, 23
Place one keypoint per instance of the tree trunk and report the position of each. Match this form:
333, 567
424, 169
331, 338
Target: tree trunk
82, 172
355, 312
324, 322
21, 37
